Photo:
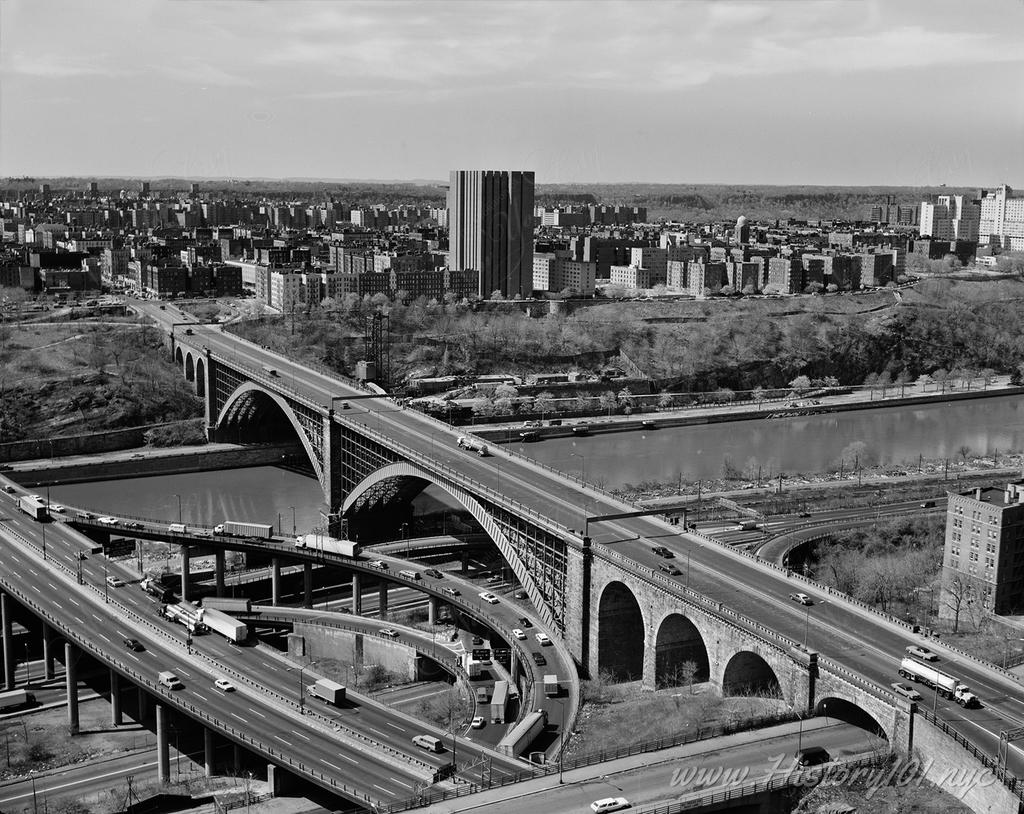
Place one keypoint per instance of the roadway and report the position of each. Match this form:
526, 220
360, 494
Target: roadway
263, 707
861, 641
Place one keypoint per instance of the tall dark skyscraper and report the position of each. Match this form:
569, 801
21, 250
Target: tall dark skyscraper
490, 224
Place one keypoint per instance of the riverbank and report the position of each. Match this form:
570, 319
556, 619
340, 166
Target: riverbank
789, 407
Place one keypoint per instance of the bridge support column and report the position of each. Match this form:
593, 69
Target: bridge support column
208, 405
432, 610
465, 561
237, 755
208, 751
48, 637
163, 746
357, 594
71, 686
275, 581
185, 568
8, 643
578, 565
218, 568
307, 585
115, 699
382, 602
332, 472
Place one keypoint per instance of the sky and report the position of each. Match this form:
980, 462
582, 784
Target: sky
850, 92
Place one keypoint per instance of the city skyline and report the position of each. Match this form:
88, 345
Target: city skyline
809, 93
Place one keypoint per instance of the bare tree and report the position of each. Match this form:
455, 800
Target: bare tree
957, 595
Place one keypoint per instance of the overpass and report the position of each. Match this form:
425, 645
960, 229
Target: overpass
601, 593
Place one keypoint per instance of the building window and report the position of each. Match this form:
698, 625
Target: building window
974, 556
974, 542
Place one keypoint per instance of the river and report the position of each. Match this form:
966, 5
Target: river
808, 444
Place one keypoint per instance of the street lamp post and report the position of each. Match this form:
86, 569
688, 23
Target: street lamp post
179, 507
293, 520
561, 739
807, 620
583, 465
32, 777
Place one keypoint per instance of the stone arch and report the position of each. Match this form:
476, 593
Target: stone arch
190, 368
402, 480
747, 673
679, 643
620, 633
179, 357
849, 712
250, 404
200, 376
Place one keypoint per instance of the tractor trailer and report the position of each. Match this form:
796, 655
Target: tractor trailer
154, 587
473, 445
326, 690
228, 604
945, 685
239, 528
187, 615
34, 506
523, 734
227, 626
552, 689
327, 545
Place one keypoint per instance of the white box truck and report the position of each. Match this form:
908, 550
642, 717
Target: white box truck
241, 528
327, 545
326, 690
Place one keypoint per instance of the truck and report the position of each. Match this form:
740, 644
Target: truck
170, 680
944, 684
34, 506
326, 690
327, 545
552, 689
227, 626
241, 528
227, 604
473, 445
187, 615
748, 525
499, 700
473, 668
154, 587
523, 734
15, 699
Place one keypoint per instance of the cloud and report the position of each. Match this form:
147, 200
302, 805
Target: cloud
55, 66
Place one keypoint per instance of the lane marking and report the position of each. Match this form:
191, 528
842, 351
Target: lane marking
296, 732
239, 717
385, 790
286, 743
257, 712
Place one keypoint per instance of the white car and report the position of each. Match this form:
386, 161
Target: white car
606, 804
803, 599
907, 692
379, 564
922, 653
477, 722
115, 582
107, 521
542, 639
518, 633
224, 685
486, 596
389, 632
56, 507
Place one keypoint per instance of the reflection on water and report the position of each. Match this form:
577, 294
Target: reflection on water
807, 444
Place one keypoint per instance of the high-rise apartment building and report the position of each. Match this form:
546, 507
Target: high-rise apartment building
490, 229
1002, 219
951, 217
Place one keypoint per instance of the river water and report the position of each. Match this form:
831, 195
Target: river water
807, 444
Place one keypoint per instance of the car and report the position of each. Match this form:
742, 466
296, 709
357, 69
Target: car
450, 591
224, 685
538, 659
478, 722
518, 633
609, 804
137, 456
391, 633
86, 516
9, 489
115, 582
669, 569
494, 580
928, 504
202, 532
813, 756
477, 640
804, 514
107, 520
346, 406
133, 644
803, 599
661, 551
525, 622
488, 597
56, 507
922, 653
132, 524
520, 594
379, 564
434, 573
542, 639
907, 692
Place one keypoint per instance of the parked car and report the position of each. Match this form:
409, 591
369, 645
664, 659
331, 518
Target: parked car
905, 691
803, 599
921, 653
